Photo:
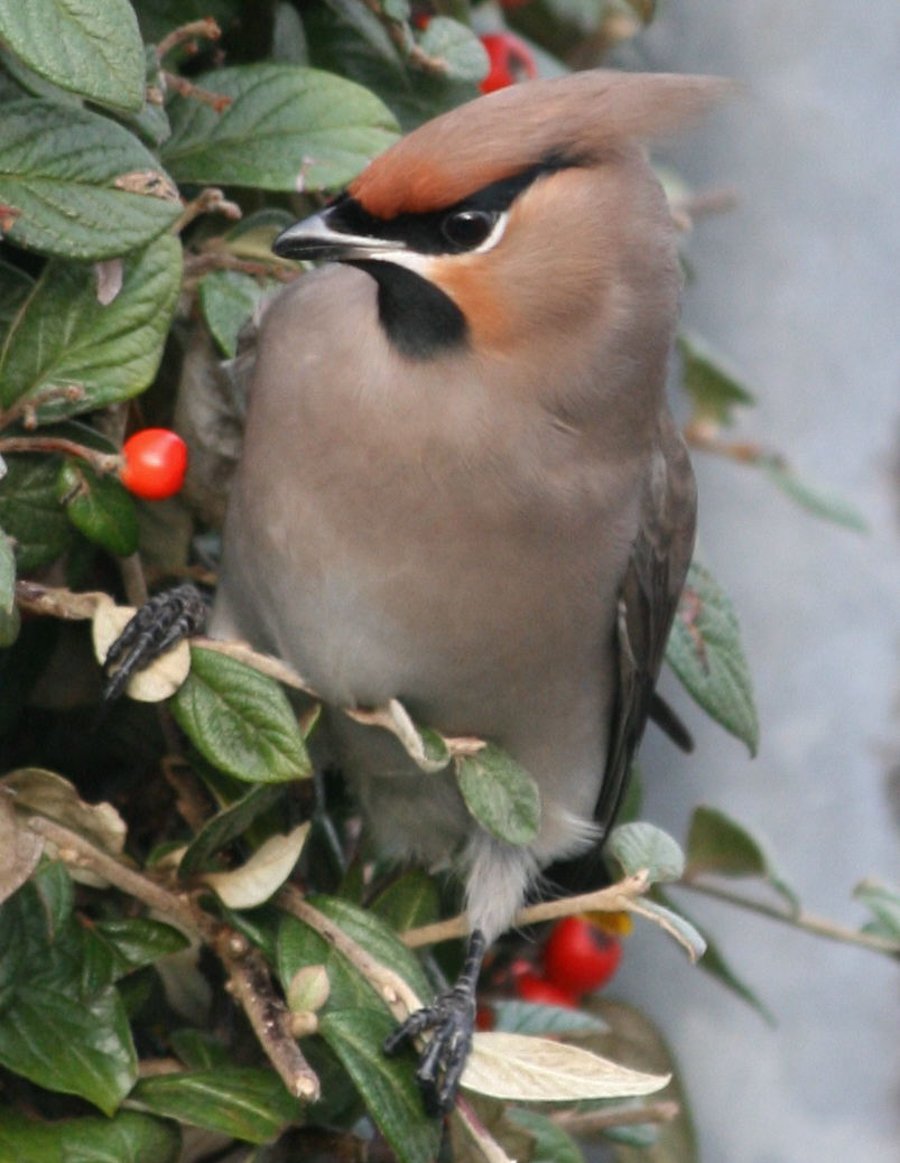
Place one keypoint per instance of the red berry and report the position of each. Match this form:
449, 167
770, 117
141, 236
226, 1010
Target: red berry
155, 463
531, 986
511, 60
484, 1018
578, 957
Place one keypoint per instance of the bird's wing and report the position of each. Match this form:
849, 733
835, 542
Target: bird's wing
648, 599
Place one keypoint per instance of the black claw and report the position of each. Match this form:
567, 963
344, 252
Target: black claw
451, 1017
157, 626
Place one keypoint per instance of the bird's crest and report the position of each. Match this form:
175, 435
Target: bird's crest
565, 120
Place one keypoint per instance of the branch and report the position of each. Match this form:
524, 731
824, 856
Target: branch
250, 982
78, 852
616, 898
103, 462
808, 922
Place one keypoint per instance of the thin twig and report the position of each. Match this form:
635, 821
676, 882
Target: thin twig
704, 436
185, 88
398, 31
218, 259
808, 922
206, 28
614, 899
26, 407
210, 200
102, 462
588, 1122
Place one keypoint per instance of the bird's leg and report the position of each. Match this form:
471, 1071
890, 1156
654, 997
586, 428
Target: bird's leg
157, 626
451, 1017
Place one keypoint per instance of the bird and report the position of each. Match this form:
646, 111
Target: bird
461, 485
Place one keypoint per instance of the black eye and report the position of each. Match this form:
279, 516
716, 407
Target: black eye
466, 229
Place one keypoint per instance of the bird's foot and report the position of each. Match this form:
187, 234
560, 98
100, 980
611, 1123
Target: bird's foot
158, 625
451, 1018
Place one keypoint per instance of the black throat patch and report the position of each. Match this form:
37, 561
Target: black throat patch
418, 318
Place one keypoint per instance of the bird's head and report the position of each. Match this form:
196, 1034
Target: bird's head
530, 210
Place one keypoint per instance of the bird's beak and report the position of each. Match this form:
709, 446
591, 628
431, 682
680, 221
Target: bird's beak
316, 238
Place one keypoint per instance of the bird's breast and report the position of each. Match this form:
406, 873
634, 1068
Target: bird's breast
421, 534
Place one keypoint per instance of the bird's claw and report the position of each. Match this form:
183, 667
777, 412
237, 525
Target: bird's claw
158, 625
451, 1018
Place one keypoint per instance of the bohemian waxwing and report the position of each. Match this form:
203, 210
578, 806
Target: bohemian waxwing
461, 486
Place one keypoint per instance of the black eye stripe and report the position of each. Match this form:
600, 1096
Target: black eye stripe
442, 231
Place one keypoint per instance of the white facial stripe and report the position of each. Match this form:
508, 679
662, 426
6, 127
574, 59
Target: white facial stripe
420, 263
495, 235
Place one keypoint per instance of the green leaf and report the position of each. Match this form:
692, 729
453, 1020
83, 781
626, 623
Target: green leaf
526, 1017
714, 389
640, 846
409, 901
31, 83
228, 299
884, 903
9, 613
53, 887
15, 287
227, 825
71, 177
813, 498
240, 1101
240, 720
198, 1049
98, 1063
99, 507
718, 845
65, 338
387, 1085
500, 794
705, 651
93, 48
30, 512
714, 963
287, 128
460, 50
349, 39
151, 122
551, 1144
130, 1137
138, 941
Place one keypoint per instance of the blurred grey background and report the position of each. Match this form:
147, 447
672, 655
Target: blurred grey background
800, 288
